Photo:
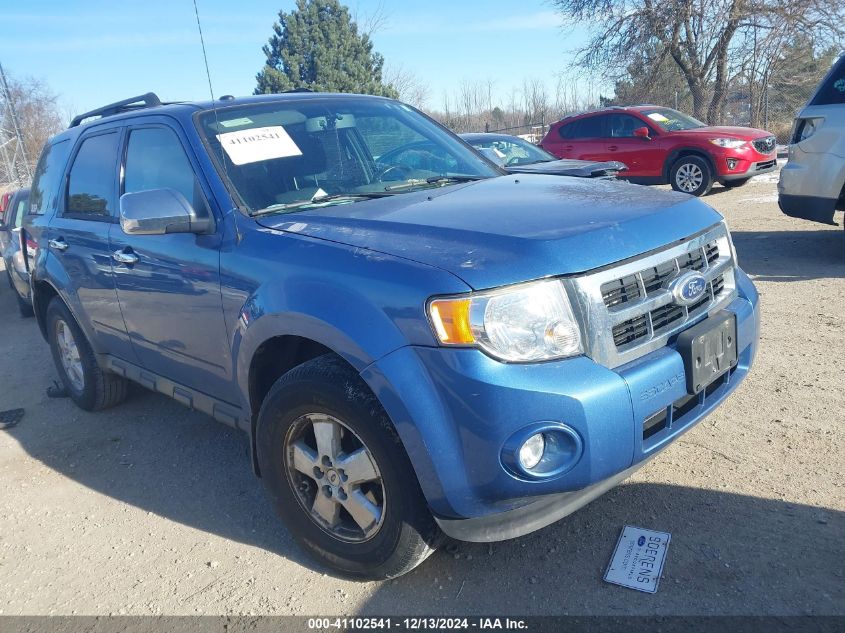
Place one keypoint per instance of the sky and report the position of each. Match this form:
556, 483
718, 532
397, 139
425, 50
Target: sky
92, 52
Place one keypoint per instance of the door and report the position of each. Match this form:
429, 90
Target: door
583, 139
169, 285
643, 156
78, 237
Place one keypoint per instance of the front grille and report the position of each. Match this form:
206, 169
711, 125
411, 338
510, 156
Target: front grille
626, 289
765, 165
664, 317
629, 309
765, 145
621, 291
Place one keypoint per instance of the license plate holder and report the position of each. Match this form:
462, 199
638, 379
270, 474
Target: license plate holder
708, 350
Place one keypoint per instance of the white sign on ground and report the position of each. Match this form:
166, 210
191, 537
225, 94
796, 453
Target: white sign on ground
637, 561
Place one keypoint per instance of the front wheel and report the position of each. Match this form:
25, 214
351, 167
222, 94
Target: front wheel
692, 175
86, 383
339, 475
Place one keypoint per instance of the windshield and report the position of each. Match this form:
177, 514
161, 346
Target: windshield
672, 120
512, 150
296, 154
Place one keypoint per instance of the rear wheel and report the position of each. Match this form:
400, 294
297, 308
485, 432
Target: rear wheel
86, 383
692, 175
732, 184
339, 475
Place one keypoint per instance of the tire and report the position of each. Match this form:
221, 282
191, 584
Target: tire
733, 184
692, 175
90, 388
24, 307
325, 392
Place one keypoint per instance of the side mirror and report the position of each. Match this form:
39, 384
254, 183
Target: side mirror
642, 132
158, 212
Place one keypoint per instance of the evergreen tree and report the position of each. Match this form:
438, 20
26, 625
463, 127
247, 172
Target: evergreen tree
317, 46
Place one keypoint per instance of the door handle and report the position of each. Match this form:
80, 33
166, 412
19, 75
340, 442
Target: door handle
125, 257
58, 244
613, 148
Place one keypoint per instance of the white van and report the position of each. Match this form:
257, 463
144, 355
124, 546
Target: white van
812, 183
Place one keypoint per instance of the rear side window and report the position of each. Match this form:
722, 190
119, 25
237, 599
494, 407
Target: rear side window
832, 90
591, 127
155, 159
48, 175
91, 184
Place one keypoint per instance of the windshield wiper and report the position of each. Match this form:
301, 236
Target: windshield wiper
319, 200
434, 180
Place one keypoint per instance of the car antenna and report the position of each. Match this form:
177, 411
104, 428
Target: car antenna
213, 102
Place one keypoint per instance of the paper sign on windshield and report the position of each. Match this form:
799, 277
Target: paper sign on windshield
257, 144
656, 116
637, 561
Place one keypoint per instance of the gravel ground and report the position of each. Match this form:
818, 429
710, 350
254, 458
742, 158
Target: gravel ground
152, 509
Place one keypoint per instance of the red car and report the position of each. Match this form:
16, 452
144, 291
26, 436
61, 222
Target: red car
661, 145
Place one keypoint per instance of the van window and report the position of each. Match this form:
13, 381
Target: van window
48, 174
832, 90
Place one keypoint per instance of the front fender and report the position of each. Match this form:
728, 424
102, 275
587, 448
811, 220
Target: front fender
359, 304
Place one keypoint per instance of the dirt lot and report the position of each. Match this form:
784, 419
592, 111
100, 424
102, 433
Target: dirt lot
150, 508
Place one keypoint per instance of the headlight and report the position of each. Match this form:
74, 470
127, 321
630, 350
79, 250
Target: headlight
525, 323
730, 242
730, 143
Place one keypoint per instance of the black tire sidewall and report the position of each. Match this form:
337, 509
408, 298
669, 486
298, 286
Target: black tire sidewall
87, 397
406, 515
701, 163
733, 184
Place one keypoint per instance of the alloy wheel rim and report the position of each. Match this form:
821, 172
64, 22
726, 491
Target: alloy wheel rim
689, 177
69, 355
334, 477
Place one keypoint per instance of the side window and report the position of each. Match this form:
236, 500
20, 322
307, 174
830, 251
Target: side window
833, 90
566, 131
591, 127
155, 159
48, 175
16, 219
91, 183
623, 125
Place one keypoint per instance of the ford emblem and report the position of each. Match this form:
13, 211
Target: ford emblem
688, 288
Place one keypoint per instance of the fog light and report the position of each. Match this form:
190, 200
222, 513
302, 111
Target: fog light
732, 163
531, 452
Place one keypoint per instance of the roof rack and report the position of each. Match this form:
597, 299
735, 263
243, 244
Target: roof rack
149, 100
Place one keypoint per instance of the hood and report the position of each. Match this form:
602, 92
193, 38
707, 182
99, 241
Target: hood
728, 130
570, 167
511, 228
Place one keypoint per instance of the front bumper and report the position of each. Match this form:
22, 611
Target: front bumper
810, 184
455, 409
745, 169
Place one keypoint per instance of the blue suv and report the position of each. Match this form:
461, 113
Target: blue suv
417, 346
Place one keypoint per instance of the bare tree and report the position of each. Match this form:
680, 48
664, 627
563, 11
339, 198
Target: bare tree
700, 36
410, 87
38, 116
